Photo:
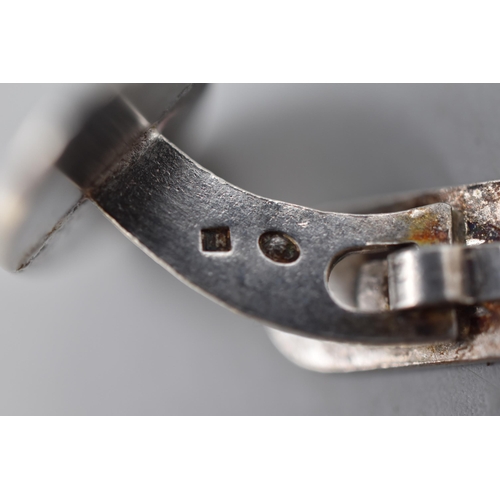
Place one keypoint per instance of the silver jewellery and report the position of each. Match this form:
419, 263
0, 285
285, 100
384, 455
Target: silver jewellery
408, 282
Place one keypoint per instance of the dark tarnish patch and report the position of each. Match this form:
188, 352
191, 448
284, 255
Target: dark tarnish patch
216, 239
279, 247
483, 231
486, 318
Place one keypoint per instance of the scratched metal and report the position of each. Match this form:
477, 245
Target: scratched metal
216, 237
163, 201
479, 205
79, 137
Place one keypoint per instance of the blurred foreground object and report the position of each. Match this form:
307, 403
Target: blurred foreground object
410, 281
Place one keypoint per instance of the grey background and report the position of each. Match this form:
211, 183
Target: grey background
96, 327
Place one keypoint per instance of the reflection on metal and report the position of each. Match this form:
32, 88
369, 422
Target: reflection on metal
411, 282
483, 344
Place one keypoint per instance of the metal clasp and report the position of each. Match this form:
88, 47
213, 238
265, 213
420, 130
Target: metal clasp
463, 274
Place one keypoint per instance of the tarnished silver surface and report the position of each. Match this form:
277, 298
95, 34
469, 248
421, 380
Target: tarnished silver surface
79, 134
338, 357
169, 206
473, 280
427, 265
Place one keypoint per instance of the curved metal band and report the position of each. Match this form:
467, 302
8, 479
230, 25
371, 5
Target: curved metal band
166, 203
81, 137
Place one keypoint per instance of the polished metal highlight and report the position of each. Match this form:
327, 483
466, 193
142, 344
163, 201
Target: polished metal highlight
455, 274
